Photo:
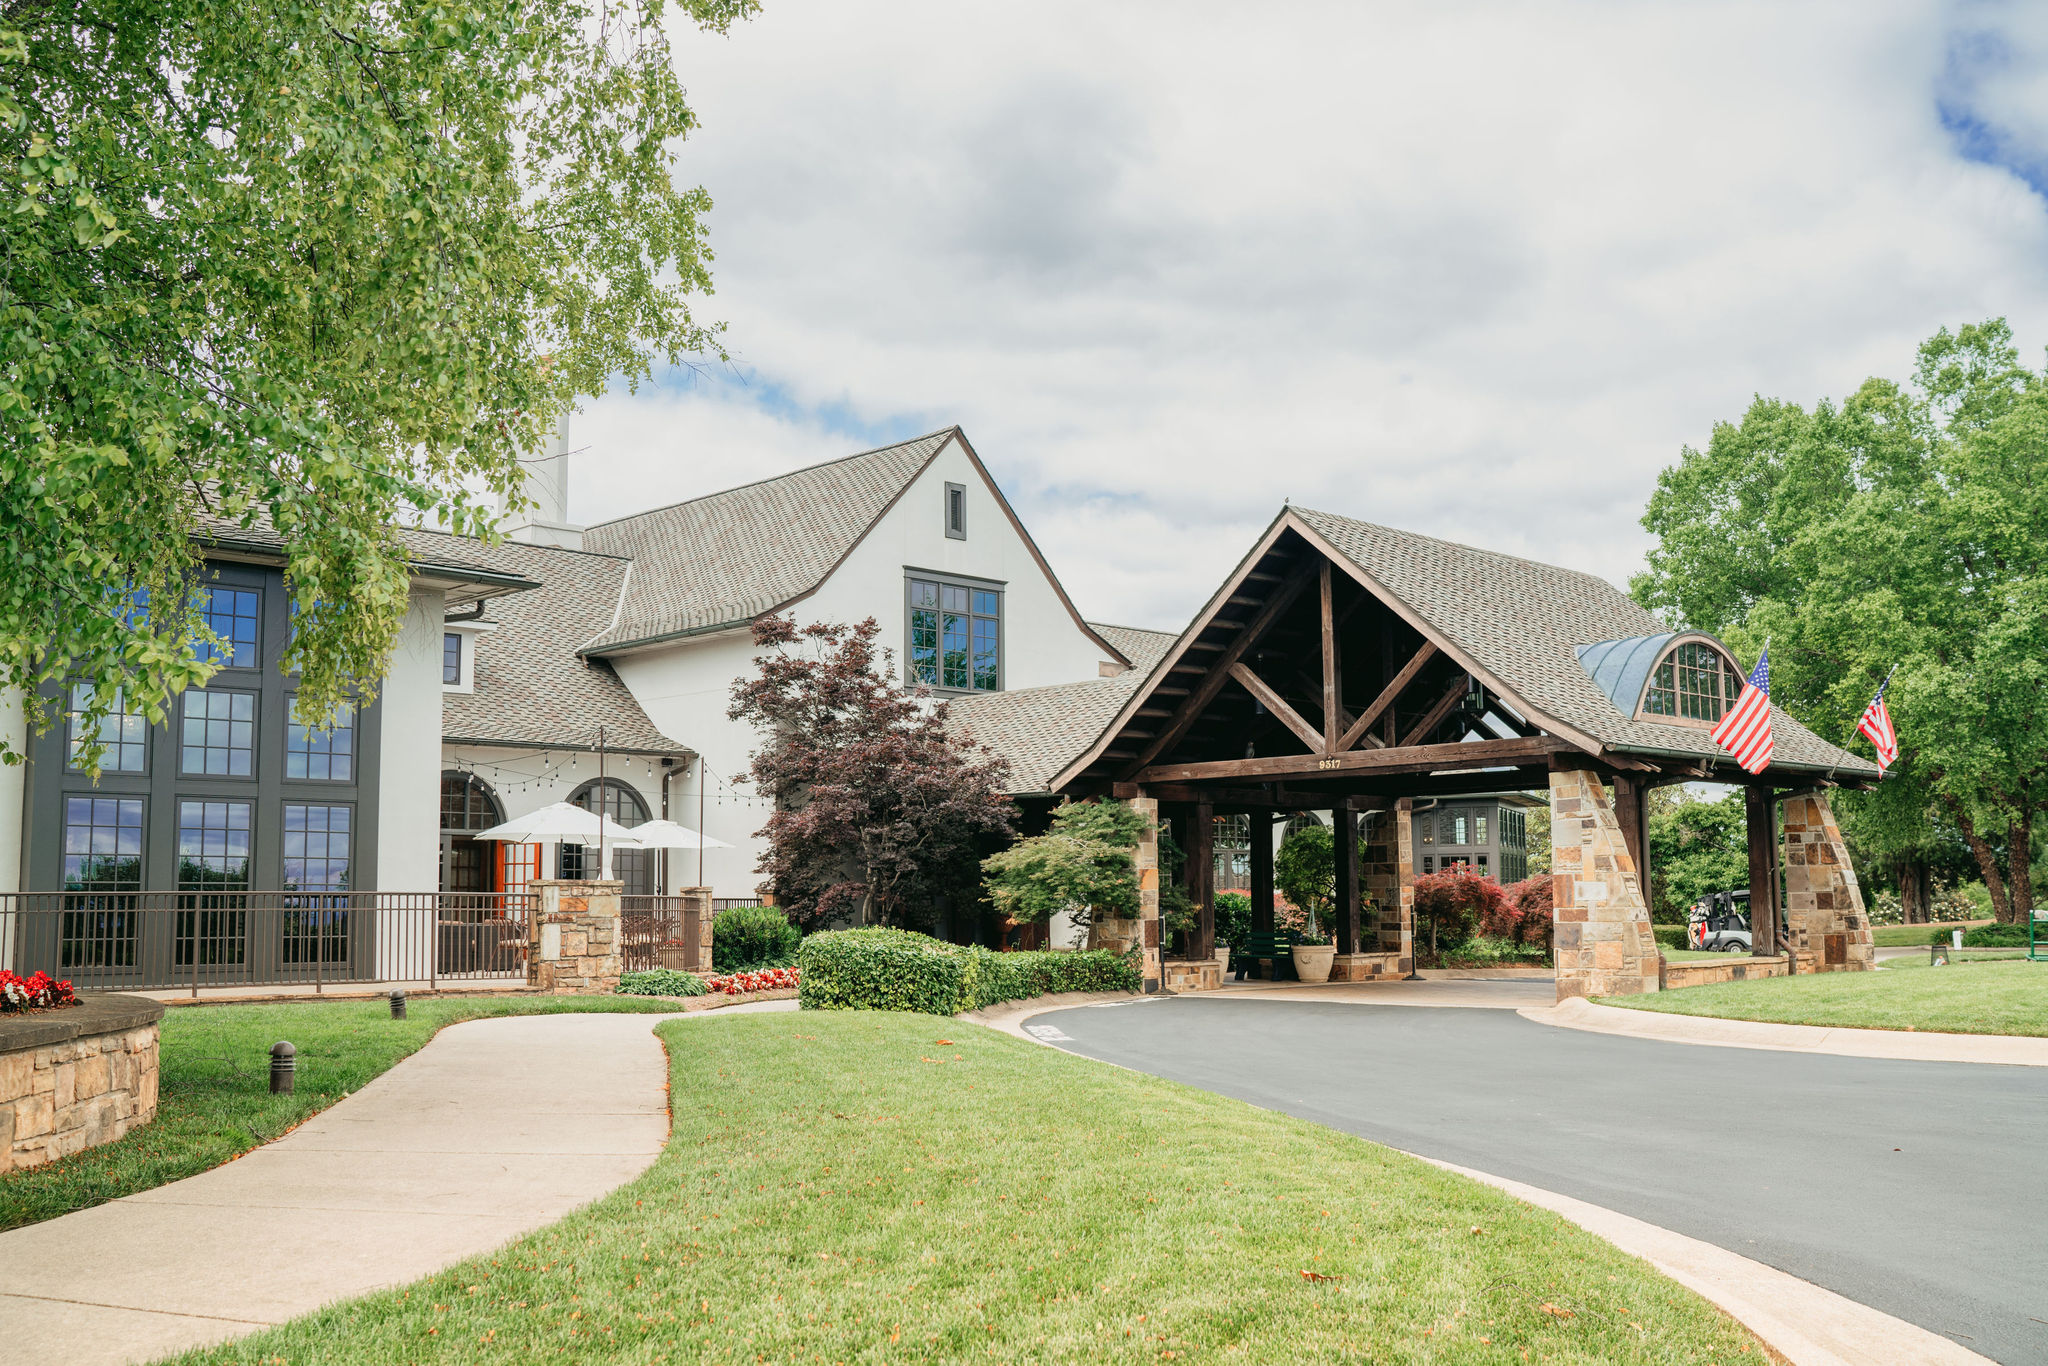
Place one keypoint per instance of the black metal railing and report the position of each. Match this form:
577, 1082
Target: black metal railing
155, 941
660, 932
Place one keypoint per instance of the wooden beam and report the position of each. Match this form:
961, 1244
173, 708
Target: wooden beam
1408, 759
1434, 717
1276, 704
1761, 809
1349, 739
1219, 672
1329, 610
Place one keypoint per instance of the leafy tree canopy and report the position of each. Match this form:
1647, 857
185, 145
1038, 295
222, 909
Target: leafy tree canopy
1696, 847
304, 268
1905, 525
1082, 865
879, 811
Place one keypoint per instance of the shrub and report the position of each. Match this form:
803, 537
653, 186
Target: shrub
1082, 865
744, 937
1670, 936
885, 969
745, 983
1451, 905
1233, 917
1492, 951
661, 982
1535, 898
1984, 936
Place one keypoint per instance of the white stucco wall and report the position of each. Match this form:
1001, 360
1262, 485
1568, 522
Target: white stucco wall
13, 790
408, 753
525, 780
686, 687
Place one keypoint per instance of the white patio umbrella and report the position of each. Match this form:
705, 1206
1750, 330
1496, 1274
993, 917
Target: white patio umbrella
670, 835
566, 823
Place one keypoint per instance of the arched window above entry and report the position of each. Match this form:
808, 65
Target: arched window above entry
1694, 681
634, 867
467, 803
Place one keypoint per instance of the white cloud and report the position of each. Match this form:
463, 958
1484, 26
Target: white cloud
1472, 269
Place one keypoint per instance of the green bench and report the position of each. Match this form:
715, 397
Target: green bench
1277, 945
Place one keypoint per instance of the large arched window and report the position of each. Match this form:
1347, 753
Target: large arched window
467, 805
634, 867
1694, 681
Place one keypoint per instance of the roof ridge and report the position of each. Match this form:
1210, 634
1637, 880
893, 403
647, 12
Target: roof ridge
504, 541
1149, 630
1460, 545
770, 479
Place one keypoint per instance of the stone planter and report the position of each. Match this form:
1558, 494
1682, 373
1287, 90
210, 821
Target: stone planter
75, 1078
1312, 962
1223, 960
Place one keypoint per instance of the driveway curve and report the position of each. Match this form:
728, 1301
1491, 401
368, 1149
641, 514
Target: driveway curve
1911, 1187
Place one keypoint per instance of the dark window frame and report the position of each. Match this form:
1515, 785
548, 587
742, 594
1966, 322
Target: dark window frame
291, 748
956, 512
448, 639
973, 615
1676, 696
255, 724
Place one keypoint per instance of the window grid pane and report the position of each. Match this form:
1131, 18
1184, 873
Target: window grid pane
220, 733
955, 636
102, 844
231, 614
124, 733
451, 657
316, 848
213, 846
321, 756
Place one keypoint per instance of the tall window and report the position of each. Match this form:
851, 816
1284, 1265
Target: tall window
451, 657
102, 844
213, 846
316, 848
1457, 831
1479, 828
321, 755
956, 635
220, 733
231, 614
1233, 850
956, 511
1695, 682
124, 734
634, 867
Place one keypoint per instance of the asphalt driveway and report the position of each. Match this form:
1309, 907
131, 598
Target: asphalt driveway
1917, 1188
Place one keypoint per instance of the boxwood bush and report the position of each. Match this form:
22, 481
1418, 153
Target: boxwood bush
1670, 936
747, 937
882, 969
661, 982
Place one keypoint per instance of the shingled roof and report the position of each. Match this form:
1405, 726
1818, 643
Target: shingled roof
727, 558
1040, 730
1141, 646
1525, 622
531, 687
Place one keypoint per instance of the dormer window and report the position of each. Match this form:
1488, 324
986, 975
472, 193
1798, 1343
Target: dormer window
1693, 682
956, 511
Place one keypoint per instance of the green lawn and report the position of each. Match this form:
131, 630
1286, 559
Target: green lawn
854, 1187
214, 1100
1915, 936
1968, 998
1695, 955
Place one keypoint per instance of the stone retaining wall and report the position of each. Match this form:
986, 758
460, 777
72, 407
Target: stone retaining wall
1368, 967
1199, 974
76, 1078
1702, 973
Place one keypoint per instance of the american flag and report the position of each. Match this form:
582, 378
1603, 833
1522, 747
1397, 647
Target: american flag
1745, 731
1877, 724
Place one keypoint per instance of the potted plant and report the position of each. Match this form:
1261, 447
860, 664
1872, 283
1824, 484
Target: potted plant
1314, 956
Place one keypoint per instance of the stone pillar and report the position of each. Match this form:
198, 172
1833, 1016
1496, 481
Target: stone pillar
696, 928
1146, 860
1823, 905
1604, 945
576, 939
1395, 890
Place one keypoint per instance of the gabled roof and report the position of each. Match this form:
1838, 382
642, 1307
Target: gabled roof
1522, 623
1142, 646
1040, 729
531, 687
726, 558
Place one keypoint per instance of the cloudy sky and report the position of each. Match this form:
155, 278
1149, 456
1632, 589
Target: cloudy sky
1465, 268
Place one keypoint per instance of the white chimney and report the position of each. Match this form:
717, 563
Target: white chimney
547, 488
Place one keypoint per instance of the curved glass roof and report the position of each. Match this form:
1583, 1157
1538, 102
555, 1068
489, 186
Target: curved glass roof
1621, 667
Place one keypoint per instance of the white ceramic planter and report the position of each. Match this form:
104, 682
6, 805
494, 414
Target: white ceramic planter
1312, 962
1223, 959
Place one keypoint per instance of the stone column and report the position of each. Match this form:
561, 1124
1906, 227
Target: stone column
1823, 905
576, 939
696, 927
1604, 945
1392, 882
1146, 860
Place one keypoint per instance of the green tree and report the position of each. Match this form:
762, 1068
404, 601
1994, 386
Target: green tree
1905, 525
300, 269
1081, 865
1696, 847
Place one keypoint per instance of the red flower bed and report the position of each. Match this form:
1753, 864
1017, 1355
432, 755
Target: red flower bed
745, 983
39, 992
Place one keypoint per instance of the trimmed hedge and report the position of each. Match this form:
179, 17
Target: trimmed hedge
748, 937
1670, 936
1993, 936
661, 982
882, 969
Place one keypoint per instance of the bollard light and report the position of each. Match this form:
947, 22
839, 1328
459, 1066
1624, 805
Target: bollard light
398, 1003
284, 1062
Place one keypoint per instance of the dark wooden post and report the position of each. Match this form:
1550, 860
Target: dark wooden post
1761, 808
1202, 880
1632, 813
1344, 846
1262, 870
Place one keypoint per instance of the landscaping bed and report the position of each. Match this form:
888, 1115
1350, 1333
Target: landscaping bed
214, 1102
870, 1187
1968, 998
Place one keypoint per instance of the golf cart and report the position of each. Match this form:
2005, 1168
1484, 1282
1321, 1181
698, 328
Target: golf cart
1719, 922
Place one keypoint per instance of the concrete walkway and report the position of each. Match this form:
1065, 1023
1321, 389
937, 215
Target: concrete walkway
492, 1130
1907, 1045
